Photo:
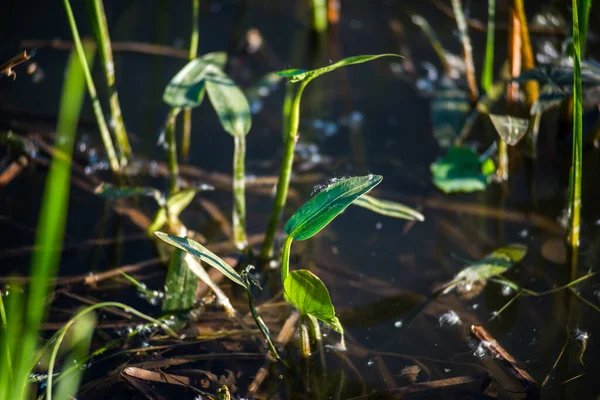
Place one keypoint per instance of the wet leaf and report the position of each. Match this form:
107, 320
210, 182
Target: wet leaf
388, 208
320, 210
450, 108
203, 254
310, 296
297, 75
461, 170
112, 192
187, 88
495, 263
228, 101
511, 129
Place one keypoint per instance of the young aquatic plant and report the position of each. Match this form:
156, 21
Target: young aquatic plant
462, 170
292, 113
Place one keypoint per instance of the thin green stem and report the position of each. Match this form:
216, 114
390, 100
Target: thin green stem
304, 338
263, 328
103, 128
285, 258
576, 167
172, 151
502, 171
239, 192
187, 113
467, 49
318, 10
487, 75
106, 56
285, 172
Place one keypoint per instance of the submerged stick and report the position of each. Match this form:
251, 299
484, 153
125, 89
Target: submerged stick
7, 67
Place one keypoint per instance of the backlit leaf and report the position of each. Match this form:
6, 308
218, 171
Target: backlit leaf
203, 254
310, 296
175, 204
495, 263
388, 208
228, 101
187, 88
321, 209
511, 129
297, 75
461, 170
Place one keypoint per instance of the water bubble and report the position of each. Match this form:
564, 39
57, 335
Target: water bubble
506, 290
398, 324
370, 363
449, 318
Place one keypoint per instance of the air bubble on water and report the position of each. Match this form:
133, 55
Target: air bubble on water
162, 141
398, 324
524, 233
581, 335
370, 363
475, 306
379, 226
449, 318
480, 351
256, 106
506, 290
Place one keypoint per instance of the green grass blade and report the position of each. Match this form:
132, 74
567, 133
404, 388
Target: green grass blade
297, 75
53, 214
320, 210
487, 74
10, 335
388, 208
203, 254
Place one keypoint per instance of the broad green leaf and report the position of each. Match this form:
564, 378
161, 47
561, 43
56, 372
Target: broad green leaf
388, 208
320, 210
297, 75
309, 295
228, 101
511, 129
495, 263
461, 170
203, 254
112, 192
175, 204
187, 88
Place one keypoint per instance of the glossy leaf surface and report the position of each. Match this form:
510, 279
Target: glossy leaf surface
495, 263
461, 170
511, 129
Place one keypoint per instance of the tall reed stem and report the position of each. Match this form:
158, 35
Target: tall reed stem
531, 87
576, 167
285, 172
104, 132
239, 192
467, 49
487, 75
106, 56
187, 113
172, 151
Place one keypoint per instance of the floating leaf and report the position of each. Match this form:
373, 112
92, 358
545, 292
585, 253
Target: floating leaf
203, 254
388, 208
511, 129
461, 170
320, 210
310, 296
450, 108
187, 88
228, 101
297, 75
112, 192
175, 204
495, 263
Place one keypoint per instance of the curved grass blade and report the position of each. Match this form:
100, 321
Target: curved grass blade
187, 88
203, 254
310, 296
388, 208
228, 101
511, 129
320, 210
297, 75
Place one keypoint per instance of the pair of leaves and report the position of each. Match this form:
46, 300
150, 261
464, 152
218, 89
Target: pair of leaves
461, 170
298, 75
205, 75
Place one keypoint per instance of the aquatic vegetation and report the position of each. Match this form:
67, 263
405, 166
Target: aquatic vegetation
511, 129
462, 170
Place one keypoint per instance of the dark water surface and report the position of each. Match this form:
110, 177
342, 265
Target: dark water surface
364, 119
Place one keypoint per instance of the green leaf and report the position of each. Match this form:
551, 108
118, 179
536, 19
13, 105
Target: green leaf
461, 170
388, 208
228, 101
175, 204
203, 254
112, 192
180, 285
450, 108
320, 210
511, 129
297, 75
187, 88
495, 263
309, 295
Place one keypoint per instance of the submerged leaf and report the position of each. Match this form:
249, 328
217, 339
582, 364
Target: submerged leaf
297, 75
228, 101
320, 210
203, 254
187, 88
112, 192
450, 108
495, 263
310, 296
461, 170
388, 208
511, 129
